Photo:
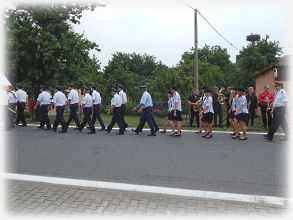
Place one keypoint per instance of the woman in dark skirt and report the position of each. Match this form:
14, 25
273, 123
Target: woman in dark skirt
207, 114
241, 115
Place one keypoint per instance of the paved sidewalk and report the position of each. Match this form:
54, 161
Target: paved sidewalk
25, 197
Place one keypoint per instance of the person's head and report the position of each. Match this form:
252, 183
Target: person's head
229, 88
233, 91
93, 87
267, 88
142, 89
278, 86
58, 88
195, 91
70, 86
207, 92
250, 90
173, 89
9, 88
216, 90
240, 91
120, 87
170, 94
86, 90
114, 91
18, 86
203, 89
42, 88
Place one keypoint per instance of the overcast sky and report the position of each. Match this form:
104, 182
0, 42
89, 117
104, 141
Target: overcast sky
165, 29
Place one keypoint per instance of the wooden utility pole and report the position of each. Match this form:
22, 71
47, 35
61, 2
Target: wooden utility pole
195, 50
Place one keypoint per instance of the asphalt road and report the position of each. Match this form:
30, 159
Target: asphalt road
255, 166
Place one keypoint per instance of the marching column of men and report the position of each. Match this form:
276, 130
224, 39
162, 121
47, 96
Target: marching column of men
240, 109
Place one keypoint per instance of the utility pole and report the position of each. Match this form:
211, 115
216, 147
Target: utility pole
195, 50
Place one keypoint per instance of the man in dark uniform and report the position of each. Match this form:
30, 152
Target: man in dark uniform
217, 108
252, 105
191, 102
228, 105
279, 111
73, 102
87, 106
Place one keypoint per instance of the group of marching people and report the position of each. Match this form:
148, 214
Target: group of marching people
238, 110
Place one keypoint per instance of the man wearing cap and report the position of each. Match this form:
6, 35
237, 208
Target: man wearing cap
21, 105
265, 100
87, 105
59, 100
192, 100
252, 105
72, 101
279, 111
44, 100
145, 105
116, 103
124, 101
97, 100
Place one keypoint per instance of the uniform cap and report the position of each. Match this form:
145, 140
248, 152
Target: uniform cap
207, 90
142, 87
240, 89
86, 87
58, 87
71, 84
278, 84
42, 86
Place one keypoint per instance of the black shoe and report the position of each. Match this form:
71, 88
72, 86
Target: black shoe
157, 129
268, 138
91, 132
76, 128
136, 131
177, 135
62, 131
120, 133
163, 131
40, 127
54, 130
152, 135
102, 129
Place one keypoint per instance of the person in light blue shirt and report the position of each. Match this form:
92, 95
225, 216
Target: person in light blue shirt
145, 106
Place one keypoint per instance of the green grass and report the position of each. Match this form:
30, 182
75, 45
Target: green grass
133, 120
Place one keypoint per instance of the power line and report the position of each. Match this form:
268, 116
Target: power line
218, 31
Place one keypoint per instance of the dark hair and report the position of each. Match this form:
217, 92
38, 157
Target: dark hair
174, 87
120, 86
94, 87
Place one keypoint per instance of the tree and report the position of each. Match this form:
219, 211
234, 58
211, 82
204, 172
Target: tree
255, 57
43, 48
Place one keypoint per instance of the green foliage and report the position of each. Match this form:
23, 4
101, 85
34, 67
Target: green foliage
43, 48
255, 57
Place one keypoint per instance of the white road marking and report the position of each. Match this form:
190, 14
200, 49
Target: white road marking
187, 131
267, 200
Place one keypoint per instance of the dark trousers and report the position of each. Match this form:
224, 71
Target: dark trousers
73, 115
251, 117
278, 120
116, 118
60, 118
218, 112
11, 115
20, 113
97, 114
146, 117
44, 116
87, 112
266, 116
227, 119
123, 108
192, 115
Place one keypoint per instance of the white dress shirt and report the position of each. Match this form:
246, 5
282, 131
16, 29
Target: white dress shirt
96, 97
281, 99
241, 102
44, 98
21, 95
209, 103
59, 99
73, 96
116, 101
87, 100
12, 97
123, 96
176, 99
